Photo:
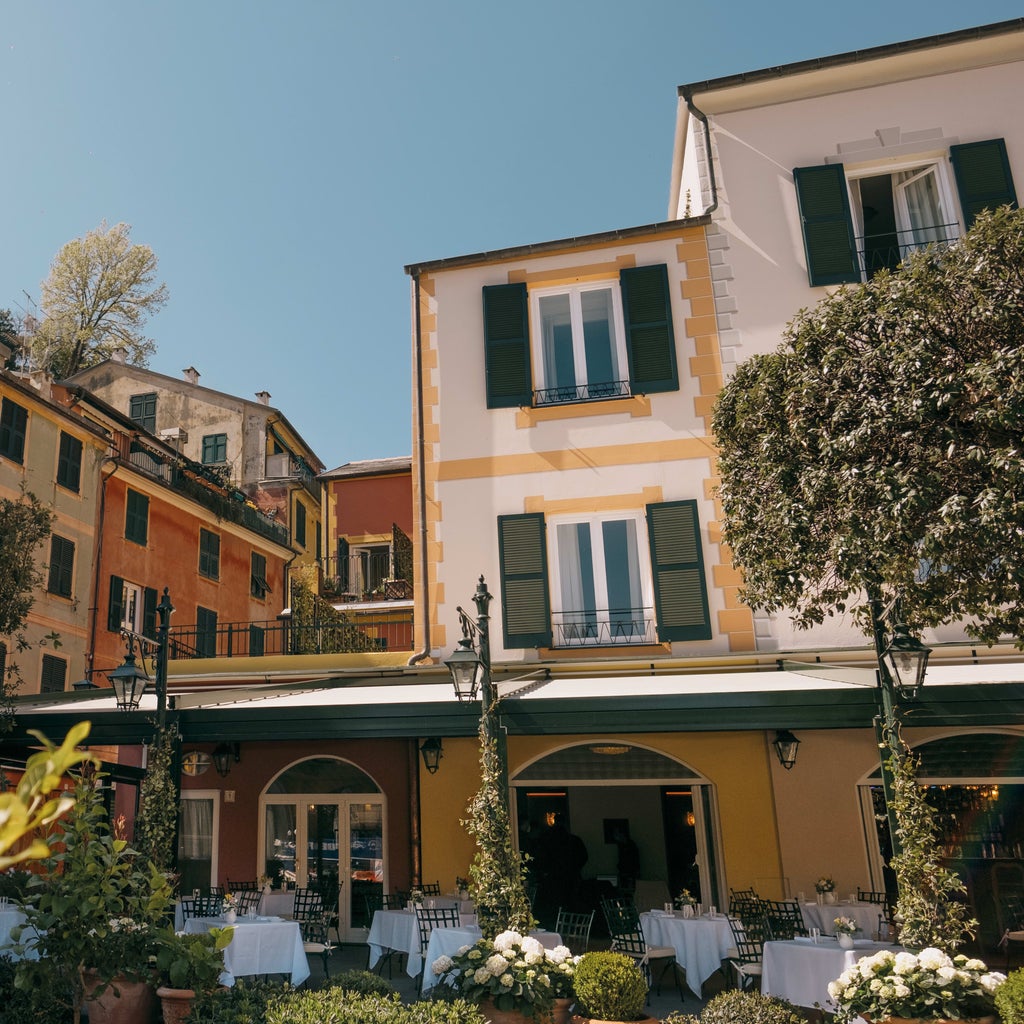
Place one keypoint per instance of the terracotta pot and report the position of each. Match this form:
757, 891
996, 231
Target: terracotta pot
495, 1016
560, 1011
577, 1019
935, 1020
121, 1002
176, 1003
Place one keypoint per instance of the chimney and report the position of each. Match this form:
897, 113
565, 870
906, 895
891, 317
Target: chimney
191, 374
117, 355
263, 397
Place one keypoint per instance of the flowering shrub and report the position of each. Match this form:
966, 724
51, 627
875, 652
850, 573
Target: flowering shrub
928, 985
845, 925
513, 971
128, 943
825, 884
684, 899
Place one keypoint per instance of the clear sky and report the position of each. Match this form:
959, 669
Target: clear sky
286, 160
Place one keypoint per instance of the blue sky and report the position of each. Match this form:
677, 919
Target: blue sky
286, 160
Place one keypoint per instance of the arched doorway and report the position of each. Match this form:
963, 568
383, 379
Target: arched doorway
606, 789
322, 825
975, 786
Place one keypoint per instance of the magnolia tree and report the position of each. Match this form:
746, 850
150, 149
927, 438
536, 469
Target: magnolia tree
877, 455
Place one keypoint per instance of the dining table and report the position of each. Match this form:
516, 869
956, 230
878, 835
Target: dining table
448, 941
398, 931
800, 969
260, 945
823, 916
700, 943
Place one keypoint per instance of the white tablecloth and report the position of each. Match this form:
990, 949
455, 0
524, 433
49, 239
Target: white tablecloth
11, 918
701, 943
448, 941
259, 947
823, 916
799, 970
399, 930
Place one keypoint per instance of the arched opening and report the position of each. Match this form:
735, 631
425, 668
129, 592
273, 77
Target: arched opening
322, 826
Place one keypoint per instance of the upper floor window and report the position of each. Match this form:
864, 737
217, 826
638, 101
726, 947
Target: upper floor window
13, 428
131, 607
215, 449
69, 462
855, 224
136, 517
62, 566
142, 409
609, 579
579, 343
54, 672
206, 632
209, 554
300, 523
258, 585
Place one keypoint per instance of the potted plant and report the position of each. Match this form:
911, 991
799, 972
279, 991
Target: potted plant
927, 986
610, 987
507, 975
189, 963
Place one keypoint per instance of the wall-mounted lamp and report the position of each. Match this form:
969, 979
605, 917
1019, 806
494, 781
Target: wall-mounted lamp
224, 754
785, 744
85, 684
432, 752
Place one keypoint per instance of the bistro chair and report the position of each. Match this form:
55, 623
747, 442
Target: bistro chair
188, 908
628, 937
241, 886
783, 919
396, 900
745, 957
574, 930
431, 888
429, 918
249, 901
206, 906
1011, 915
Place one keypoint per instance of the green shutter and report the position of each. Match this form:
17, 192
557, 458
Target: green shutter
507, 346
525, 609
824, 206
680, 589
983, 177
647, 307
115, 607
149, 613
342, 566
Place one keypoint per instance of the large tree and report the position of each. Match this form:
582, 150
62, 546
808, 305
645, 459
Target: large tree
100, 291
878, 452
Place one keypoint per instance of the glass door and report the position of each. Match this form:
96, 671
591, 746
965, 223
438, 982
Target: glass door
197, 825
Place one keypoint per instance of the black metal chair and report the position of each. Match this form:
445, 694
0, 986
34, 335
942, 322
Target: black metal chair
574, 929
431, 888
314, 923
783, 919
241, 886
748, 937
627, 937
1011, 919
429, 918
395, 900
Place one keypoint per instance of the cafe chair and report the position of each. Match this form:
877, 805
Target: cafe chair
395, 900
188, 908
1011, 914
783, 919
748, 938
627, 937
881, 899
429, 918
241, 886
431, 888
316, 938
249, 901
574, 930
205, 906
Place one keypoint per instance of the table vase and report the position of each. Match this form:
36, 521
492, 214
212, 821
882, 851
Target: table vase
845, 941
230, 916
828, 897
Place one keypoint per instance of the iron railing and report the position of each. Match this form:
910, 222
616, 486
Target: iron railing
581, 393
603, 627
284, 466
887, 250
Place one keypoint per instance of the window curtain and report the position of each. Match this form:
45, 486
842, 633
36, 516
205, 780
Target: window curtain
196, 833
622, 578
924, 209
576, 574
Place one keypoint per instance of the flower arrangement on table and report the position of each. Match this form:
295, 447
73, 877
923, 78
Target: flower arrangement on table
461, 884
229, 901
929, 985
684, 899
264, 881
416, 897
845, 925
513, 971
825, 884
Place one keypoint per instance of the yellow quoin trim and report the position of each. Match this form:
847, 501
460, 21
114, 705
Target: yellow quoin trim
606, 503
635, 405
572, 275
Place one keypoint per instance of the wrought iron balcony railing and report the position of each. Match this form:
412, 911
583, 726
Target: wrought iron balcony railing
887, 250
603, 627
581, 393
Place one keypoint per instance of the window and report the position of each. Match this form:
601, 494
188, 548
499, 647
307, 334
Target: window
142, 409
366, 568
600, 583
69, 462
579, 343
215, 449
3, 660
54, 672
258, 586
209, 554
13, 427
300, 523
136, 517
206, 633
131, 607
855, 225
608, 585
62, 566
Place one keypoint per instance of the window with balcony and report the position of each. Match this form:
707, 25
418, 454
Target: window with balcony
142, 409
579, 342
857, 223
136, 517
62, 566
69, 462
209, 554
603, 580
215, 449
13, 428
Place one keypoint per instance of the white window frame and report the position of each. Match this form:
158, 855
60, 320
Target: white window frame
618, 332
132, 607
356, 553
594, 520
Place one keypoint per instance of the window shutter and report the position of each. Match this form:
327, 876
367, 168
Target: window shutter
983, 177
115, 608
149, 612
680, 589
525, 608
649, 338
827, 227
507, 346
343, 564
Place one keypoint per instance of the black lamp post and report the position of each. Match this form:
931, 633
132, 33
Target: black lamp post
902, 661
129, 679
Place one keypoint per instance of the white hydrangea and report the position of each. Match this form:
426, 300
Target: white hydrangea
534, 957
901, 990
932, 959
506, 940
991, 981
497, 965
905, 963
442, 965
506, 980
531, 945
559, 954
481, 975
974, 965
947, 973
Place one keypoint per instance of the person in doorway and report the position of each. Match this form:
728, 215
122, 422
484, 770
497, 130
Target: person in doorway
629, 862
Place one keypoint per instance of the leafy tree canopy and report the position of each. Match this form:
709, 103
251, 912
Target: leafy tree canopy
100, 291
878, 451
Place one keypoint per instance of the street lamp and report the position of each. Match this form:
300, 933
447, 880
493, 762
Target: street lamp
129, 680
785, 744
